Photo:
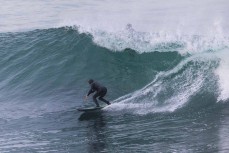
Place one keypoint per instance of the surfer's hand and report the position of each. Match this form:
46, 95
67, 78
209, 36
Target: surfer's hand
85, 97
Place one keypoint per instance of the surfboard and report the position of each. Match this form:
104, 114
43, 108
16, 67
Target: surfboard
90, 109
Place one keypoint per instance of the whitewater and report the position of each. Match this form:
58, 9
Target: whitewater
165, 64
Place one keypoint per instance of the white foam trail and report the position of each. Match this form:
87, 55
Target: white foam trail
177, 90
145, 107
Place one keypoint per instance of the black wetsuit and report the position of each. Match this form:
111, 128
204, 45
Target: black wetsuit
100, 92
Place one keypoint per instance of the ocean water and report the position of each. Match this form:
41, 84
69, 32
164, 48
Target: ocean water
165, 64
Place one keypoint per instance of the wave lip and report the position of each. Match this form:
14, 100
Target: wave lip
162, 41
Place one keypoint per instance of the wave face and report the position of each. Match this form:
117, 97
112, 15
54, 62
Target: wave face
200, 72
144, 72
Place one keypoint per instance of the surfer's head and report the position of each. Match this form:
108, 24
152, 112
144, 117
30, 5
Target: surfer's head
90, 81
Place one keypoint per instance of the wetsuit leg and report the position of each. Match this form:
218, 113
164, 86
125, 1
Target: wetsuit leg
104, 100
95, 100
102, 94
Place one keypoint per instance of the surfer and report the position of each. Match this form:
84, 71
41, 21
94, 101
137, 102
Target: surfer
100, 92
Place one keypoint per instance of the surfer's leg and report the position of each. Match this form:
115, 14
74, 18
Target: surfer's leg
95, 100
104, 100
102, 94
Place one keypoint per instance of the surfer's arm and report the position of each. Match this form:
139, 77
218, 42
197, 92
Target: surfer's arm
90, 91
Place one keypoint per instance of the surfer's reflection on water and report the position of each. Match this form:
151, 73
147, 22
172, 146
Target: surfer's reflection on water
96, 131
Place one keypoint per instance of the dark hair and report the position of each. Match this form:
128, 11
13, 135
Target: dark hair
90, 81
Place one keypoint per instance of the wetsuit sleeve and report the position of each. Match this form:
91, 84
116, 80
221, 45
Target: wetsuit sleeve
91, 90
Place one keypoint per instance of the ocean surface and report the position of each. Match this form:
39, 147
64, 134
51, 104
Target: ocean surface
165, 64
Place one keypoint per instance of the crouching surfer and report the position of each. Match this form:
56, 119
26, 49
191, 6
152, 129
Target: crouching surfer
101, 91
